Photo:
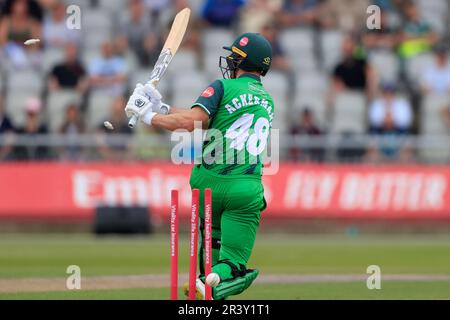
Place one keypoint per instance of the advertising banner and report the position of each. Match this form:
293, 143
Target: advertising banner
355, 191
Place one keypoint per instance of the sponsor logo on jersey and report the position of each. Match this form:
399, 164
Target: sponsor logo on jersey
244, 41
208, 92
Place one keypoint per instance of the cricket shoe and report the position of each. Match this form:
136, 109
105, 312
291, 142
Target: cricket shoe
199, 290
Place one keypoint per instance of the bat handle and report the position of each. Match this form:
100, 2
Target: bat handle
133, 121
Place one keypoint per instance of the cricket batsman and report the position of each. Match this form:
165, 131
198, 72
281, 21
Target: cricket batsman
240, 109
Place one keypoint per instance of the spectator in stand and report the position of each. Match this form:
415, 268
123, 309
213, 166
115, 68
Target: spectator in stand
384, 38
35, 8
389, 112
6, 131
72, 127
346, 15
55, 31
151, 50
33, 126
306, 127
162, 13
416, 36
279, 60
446, 116
299, 12
353, 72
390, 116
158, 8
118, 119
157, 5
221, 13
258, 13
136, 31
108, 72
16, 27
70, 74
436, 76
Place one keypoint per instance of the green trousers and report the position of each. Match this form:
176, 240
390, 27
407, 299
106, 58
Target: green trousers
237, 202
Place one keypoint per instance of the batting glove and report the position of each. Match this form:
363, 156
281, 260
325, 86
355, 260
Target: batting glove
138, 104
156, 99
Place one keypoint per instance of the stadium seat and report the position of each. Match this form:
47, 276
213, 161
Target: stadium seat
349, 113
96, 19
83, 4
435, 13
216, 38
51, 57
432, 124
196, 6
331, 45
184, 61
57, 103
131, 61
88, 56
211, 65
142, 76
93, 40
415, 67
297, 40
113, 6
187, 87
385, 64
20, 86
277, 86
299, 47
316, 82
213, 40
316, 102
15, 107
99, 107
28, 81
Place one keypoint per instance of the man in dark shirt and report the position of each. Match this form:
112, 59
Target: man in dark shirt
70, 74
353, 72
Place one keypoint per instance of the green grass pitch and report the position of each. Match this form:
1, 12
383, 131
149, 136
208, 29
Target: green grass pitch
46, 257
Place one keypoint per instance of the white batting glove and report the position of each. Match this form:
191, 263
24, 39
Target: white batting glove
145, 103
156, 98
139, 103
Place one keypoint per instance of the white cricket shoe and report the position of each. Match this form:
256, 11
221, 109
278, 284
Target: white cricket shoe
200, 286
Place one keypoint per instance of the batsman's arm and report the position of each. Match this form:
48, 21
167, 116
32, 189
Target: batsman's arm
181, 119
174, 110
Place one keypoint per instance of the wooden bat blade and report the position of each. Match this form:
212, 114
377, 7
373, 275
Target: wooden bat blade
177, 31
171, 46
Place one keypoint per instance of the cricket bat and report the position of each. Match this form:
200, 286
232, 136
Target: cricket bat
169, 50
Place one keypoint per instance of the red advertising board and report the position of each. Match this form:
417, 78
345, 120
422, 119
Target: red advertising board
74, 190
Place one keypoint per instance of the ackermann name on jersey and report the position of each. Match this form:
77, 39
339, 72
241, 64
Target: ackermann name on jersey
249, 100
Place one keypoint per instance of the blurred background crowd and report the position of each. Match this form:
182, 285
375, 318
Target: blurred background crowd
343, 91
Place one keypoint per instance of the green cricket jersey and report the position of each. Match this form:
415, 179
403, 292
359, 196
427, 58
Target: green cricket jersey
241, 113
